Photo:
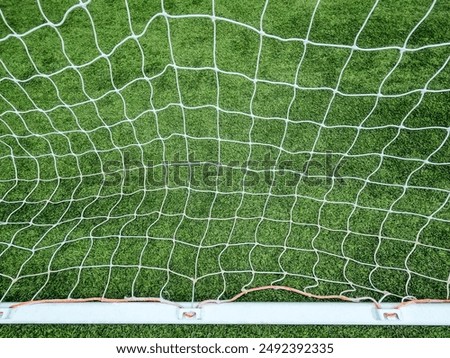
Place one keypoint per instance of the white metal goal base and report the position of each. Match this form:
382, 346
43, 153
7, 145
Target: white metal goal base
326, 313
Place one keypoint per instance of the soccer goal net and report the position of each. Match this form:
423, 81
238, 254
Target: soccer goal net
200, 152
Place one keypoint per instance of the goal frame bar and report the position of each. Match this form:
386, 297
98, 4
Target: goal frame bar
290, 313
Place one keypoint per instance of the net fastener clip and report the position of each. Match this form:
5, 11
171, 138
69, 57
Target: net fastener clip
390, 315
189, 314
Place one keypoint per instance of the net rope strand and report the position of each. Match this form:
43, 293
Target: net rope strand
233, 299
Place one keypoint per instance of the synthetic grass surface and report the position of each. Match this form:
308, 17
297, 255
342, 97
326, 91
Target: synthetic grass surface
160, 331
103, 91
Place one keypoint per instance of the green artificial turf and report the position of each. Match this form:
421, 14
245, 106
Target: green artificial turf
88, 92
249, 331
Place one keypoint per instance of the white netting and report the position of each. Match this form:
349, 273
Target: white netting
356, 137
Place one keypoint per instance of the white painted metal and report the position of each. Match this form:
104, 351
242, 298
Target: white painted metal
229, 313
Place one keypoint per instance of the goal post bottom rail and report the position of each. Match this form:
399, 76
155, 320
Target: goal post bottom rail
292, 313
